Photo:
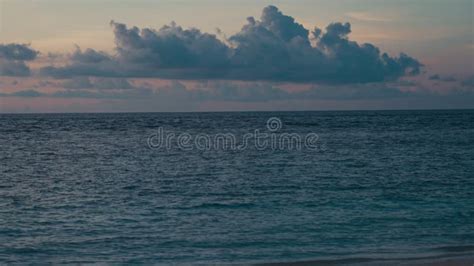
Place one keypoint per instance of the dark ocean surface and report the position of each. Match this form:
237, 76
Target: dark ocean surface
82, 188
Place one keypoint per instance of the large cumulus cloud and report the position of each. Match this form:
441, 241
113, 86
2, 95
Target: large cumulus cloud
274, 48
13, 57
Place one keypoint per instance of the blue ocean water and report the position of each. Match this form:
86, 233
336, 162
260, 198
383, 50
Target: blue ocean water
82, 188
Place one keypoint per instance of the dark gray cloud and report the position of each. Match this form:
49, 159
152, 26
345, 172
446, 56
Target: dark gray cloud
13, 57
89, 56
369, 91
274, 48
82, 82
139, 93
87, 63
26, 93
353, 62
282, 26
442, 78
170, 47
14, 68
15, 51
232, 92
128, 95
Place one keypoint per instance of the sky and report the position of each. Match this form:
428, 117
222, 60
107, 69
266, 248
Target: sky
209, 55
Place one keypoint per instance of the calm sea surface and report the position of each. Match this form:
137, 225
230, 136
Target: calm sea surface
81, 188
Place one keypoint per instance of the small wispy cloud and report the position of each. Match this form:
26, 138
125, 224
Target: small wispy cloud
365, 16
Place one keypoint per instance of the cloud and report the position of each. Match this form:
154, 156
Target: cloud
26, 93
19, 52
13, 68
229, 95
97, 83
170, 47
274, 48
224, 91
13, 57
141, 93
442, 78
87, 63
361, 63
357, 92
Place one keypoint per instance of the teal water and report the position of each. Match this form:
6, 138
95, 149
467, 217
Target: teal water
81, 188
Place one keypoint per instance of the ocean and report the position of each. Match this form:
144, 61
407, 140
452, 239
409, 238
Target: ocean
161, 188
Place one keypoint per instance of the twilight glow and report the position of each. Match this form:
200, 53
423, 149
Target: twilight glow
84, 56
